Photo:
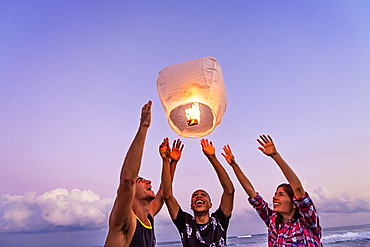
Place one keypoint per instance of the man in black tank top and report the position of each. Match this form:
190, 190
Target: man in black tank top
131, 218
144, 235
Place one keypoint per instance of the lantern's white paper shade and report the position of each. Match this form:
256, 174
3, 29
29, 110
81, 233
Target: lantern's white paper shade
182, 84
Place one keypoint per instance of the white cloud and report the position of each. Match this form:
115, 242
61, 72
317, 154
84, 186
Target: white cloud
56, 210
326, 202
63, 210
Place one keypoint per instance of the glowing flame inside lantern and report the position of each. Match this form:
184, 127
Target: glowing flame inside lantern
193, 114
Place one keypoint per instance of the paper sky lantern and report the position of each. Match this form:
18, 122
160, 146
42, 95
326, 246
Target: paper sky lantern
193, 96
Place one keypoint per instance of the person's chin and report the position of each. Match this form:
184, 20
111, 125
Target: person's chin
152, 195
277, 210
200, 209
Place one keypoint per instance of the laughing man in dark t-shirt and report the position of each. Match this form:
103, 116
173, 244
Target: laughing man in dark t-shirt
202, 229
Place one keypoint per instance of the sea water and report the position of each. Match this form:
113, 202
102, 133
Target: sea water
351, 236
347, 236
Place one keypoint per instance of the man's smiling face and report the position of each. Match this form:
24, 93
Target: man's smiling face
144, 188
200, 201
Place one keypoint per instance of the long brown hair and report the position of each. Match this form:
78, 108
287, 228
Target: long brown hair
288, 189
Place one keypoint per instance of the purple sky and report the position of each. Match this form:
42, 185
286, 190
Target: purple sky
75, 74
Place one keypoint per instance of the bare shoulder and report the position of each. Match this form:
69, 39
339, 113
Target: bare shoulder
121, 235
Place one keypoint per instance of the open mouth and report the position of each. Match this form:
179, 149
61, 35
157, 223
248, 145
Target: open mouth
276, 204
148, 188
199, 202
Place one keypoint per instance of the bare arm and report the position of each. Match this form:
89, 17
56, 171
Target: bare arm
157, 203
168, 171
243, 180
165, 153
269, 149
175, 156
121, 212
227, 199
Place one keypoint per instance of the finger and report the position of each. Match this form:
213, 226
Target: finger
202, 142
147, 105
178, 143
262, 150
261, 143
210, 142
270, 139
263, 138
206, 142
165, 141
182, 147
260, 138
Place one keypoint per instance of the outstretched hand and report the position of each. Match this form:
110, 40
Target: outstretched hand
164, 149
146, 114
207, 147
268, 146
228, 155
177, 148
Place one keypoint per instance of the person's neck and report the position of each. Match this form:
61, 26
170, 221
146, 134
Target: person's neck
201, 218
141, 210
287, 217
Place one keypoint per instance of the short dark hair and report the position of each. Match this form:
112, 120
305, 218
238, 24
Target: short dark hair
204, 192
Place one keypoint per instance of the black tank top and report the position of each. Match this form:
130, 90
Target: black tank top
144, 235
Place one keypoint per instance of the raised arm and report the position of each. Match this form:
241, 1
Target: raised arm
269, 149
121, 212
227, 199
243, 180
174, 155
168, 171
157, 203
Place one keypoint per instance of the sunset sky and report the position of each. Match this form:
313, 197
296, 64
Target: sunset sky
75, 74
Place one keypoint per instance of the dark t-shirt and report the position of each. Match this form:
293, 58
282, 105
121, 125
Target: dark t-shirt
213, 233
144, 235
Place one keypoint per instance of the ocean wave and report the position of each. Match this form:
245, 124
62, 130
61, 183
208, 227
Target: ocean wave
244, 236
345, 237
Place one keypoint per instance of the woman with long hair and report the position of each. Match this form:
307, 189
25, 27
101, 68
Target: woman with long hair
293, 221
